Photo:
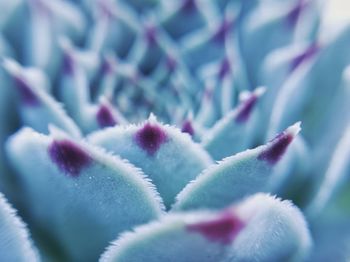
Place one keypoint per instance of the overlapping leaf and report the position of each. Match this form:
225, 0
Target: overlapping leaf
260, 228
80, 196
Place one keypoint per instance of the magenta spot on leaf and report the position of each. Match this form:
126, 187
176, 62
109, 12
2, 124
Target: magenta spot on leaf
225, 68
41, 7
221, 33
222, 229
107, 66
306, 55
245, 109
187, 128
106, 9
150, 137
68, 157
68, 63
295, 12
276, 148
170, 63
151, 35
27, 95
188, 5
105, 117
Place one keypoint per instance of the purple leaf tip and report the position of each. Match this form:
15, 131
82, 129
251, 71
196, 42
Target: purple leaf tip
108, 65
223, 229
306, 55
68, 63
171, 63
106, 8
223, 30
26, 93
245, 109
188, 5
151, 35
105, 117
295, 12
225, 68
187, 127
68, 157
276, 147
150, 137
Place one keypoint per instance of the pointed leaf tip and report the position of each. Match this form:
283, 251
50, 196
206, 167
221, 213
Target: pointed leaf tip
237, 176
187, 127
150, 137
105, 116
246, 107
276, 147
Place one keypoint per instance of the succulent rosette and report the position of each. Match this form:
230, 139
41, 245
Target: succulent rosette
192, 130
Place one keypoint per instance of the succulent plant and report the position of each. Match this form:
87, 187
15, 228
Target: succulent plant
149, 130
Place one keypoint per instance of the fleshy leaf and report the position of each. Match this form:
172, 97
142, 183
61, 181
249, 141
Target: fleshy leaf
170, 158
271, 26
231, 134
237, 176
114, 28
15, 243
38, 109
260, 228
338, 169
46, 18
74, 90
80, 195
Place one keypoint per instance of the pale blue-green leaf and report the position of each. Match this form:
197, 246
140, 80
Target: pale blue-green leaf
335, 176
297, 96
8, 124
37, 108
233, 132
208, 113
181, 18
15, 242
215, 37
170, 158
267, 24
80, 195
74, 86
7, 9
237, 176
278, 66
115, 27
305, 80
260, 228
48, 21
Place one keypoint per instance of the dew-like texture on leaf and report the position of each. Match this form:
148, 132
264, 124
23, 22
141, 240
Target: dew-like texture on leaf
80, 195
15, 243
237, 176
260, 228
170, 158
